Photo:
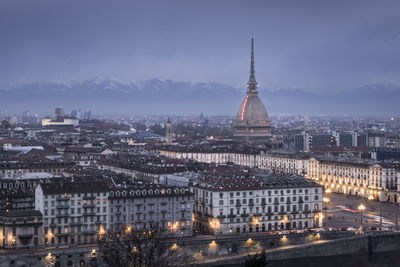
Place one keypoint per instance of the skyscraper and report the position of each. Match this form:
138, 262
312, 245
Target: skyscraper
252, 123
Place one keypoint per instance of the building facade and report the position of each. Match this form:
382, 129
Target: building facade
280, 162
167, 209
21, 229
73, 212
251, 204
372, 180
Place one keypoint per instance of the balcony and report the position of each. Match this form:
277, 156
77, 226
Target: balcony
88, 197
282, 213
257, 214
221, 216
89, 206
62, 206
231, 216
89, 214
89, 232
244, 215
25, 236
75, 224
238, 205
63, 234
62, 198
62, 215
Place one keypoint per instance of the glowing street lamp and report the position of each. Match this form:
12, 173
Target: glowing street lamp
328, 191
361, 208
214, 225
101, 232
49, 259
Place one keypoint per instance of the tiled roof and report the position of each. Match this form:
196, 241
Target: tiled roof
74, 187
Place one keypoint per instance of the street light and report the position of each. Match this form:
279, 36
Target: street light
328, 190
361, 208
214, 224
48, 260
326, 201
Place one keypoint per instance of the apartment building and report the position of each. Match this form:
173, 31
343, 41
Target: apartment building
13, 169
73, 212
21, 229
365, 178
239, 155
283, 162
167, 209
257, 202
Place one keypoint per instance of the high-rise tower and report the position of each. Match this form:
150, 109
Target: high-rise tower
168, 132
252, 123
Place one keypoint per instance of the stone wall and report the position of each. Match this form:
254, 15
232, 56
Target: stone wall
369, 243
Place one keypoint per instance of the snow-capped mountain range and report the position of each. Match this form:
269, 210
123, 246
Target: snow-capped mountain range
171, 97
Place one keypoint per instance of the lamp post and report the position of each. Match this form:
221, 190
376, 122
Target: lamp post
328, 190
361, 208
214, 225
48, 260
326, 201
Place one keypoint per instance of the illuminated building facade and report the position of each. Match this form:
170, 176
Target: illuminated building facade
145, 209
266, 202
21, 229
372, 180
73, 212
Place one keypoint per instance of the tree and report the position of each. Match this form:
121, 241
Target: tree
136, 248
257, 260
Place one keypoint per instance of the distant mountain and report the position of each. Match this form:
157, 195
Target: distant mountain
169, 97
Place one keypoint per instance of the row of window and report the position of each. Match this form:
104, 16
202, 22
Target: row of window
82, 219
79, 202
263, 200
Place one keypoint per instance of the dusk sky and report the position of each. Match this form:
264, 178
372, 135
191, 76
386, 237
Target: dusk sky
316, 46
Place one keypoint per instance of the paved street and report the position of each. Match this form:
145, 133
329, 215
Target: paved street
342, 211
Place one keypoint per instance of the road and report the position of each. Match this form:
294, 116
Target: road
342, 211
214, 259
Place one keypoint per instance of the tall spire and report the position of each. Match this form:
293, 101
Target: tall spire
252, 84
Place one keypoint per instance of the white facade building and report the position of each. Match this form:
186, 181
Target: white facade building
250, 204
73, 212
163, 208
283, 162
363, 178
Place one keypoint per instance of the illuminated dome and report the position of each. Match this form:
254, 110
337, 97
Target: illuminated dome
252, 111
252, 121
